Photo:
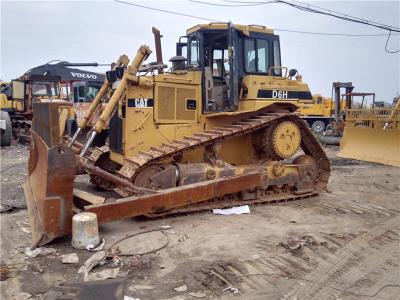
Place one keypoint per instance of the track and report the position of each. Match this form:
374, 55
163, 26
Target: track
133, 165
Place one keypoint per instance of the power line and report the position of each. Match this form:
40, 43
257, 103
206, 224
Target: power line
344, 17
339, 13
334, 34
387, 41
276, 29
240, 3
308, 8
166, 11
236, 5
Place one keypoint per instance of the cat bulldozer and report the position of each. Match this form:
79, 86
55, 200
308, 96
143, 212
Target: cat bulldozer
216, 130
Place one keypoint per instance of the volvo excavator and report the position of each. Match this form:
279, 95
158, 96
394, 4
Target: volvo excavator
217, 129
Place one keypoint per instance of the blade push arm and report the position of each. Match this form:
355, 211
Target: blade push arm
122, 61
129, 76
393, 113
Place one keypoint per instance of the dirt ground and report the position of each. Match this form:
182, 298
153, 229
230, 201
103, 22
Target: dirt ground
343, 244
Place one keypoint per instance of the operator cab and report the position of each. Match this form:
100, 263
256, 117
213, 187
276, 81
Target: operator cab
85, 91
225, 53
32, 88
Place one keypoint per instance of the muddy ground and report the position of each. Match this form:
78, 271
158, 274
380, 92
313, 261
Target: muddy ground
343, 244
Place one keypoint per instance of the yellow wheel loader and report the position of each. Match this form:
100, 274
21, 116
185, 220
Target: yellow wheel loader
319, 114
218, 129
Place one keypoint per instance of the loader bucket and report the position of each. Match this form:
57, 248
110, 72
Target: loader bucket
371, 144
48, 190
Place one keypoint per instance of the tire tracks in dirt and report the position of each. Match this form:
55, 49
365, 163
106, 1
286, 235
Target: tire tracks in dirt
353, 266
360, 267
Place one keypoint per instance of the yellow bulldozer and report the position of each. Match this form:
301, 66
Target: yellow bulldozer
217, 129
372, 134
16, 100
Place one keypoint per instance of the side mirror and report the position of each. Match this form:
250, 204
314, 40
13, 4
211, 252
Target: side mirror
120, 71
111, 76
292, 73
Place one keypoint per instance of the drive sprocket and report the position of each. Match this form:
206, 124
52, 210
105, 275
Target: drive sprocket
278, 142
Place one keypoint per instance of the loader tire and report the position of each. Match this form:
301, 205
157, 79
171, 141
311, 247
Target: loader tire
5, 137
318, 126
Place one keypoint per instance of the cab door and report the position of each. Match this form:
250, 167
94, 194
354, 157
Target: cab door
233, 91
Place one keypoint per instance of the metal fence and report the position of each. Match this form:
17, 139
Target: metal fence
377, 118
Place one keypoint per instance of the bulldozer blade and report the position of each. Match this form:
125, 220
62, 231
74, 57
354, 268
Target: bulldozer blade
371, 144
49, 190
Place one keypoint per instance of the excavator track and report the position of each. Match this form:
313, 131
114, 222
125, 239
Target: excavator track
133, 165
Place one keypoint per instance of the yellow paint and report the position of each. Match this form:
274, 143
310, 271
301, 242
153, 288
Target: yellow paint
320, 106
372, 135
150, 127
14, 105
246, 29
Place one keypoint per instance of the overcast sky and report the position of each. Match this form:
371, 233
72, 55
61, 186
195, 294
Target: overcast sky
35, 32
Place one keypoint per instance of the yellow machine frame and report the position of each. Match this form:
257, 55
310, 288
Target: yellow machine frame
173, 147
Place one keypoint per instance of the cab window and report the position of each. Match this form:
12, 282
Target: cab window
79, 93
256, 55
44, 89
92, 92
262, 54
250, 55
277, 58
194, 52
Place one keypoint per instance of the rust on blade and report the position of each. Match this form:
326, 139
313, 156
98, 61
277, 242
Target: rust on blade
174, 197
48, 190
